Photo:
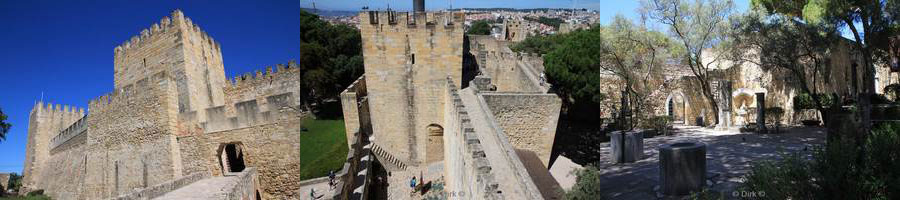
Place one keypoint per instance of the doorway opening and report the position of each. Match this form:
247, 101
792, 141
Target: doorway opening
231, 157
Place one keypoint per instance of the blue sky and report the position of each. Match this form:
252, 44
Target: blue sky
64, 49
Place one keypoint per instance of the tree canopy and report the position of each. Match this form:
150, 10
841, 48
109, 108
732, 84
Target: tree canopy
330, 57
480, 27
782, 44
4, 126
580, 65
698, 26
554, 22
871, 24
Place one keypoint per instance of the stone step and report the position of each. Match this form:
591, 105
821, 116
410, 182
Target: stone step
388, 157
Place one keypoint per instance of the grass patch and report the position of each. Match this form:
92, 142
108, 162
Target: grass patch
323, 147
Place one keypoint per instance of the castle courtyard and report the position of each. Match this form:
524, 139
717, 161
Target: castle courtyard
730, 155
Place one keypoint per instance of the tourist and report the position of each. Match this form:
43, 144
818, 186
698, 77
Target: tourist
412, 184
331, 179
312, 193
542, 79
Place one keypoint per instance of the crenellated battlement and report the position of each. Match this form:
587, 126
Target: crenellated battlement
142, 87
408, 20
290, 71
52, 109
168, 23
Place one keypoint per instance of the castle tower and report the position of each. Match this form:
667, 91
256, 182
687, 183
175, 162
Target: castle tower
178, 46
408, 57
45, 122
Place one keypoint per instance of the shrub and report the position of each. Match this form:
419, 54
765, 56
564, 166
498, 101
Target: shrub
805, 101
774, 114
660, 124
587, 185
836, 172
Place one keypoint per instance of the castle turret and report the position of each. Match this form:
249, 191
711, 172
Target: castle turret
45, 122
408, 58
181, 48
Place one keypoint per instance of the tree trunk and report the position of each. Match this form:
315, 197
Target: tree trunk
707, 92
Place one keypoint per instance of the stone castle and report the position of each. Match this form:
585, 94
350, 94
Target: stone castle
415, 109
172, 124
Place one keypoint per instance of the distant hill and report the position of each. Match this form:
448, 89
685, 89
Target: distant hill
331, 13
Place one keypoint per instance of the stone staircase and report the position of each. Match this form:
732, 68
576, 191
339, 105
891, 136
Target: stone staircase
388, 160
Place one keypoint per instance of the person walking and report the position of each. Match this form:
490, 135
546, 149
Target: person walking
331, 179
412, 184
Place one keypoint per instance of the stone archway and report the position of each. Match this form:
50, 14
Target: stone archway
676, 107
434, 149
231, 157
743, 104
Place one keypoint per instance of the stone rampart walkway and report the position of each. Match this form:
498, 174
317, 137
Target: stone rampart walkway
210, 188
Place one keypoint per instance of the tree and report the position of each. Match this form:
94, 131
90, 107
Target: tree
539, 44
878, 20
782, 44
554, 22
698, 27
585, 61
573, 68
480, 27
4, 126
331, 58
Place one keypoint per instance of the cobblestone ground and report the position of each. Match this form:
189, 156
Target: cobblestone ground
398, 182
729, 156
323, 191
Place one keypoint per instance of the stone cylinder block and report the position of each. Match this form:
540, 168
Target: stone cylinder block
626, 146
682, 168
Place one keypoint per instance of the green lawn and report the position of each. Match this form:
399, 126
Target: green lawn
323, 147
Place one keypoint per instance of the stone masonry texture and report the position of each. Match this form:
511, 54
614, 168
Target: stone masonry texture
169, 116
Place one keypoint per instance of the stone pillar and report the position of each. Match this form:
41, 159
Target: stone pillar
760, 112
724, 105
626, 146
682, 168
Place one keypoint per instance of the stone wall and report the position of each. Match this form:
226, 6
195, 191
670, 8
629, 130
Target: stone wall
509, 71
252, 100
169, 115
529, 120
135, 147
407, 59
45, 122
467, 168
273, 149
178, 46
350, 100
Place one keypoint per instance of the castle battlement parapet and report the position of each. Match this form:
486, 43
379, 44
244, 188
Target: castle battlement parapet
142, 87
408, 20
50, 108
167, 23
251, 79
